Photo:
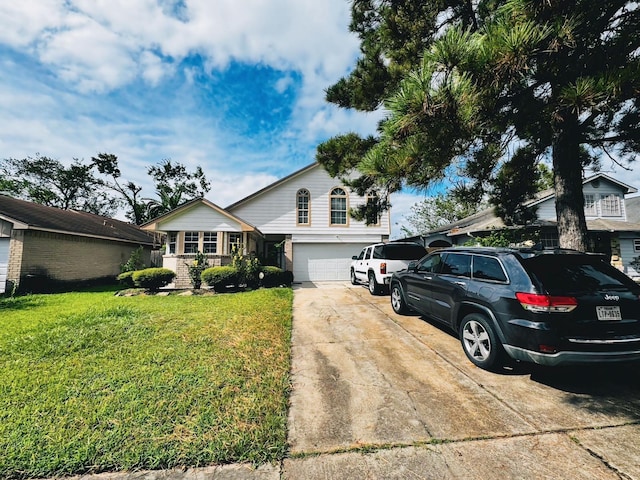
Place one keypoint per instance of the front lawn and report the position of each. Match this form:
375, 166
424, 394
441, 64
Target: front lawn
92, 382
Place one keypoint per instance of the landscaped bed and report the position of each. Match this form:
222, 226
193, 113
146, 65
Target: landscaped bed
91, 382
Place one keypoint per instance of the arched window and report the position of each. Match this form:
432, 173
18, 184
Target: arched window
338, 199
303, 199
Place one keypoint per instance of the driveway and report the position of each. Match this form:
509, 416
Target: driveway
381, 396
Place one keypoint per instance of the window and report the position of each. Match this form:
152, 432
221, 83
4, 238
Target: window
234, 239
303, 207
338, 199
457, 264
190, 242
431, 264
610, 205
210, 242
590, 208
636, 245
488, 268
549, 240
172, 240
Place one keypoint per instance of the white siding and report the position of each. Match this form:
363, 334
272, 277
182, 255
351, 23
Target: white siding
628, 253
201, 218
4, 261
274, 210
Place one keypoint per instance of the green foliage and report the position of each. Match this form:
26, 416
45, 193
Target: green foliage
135, 261
505, 237
221, 277
153, 278
196, 267
484, 91
437, 211
275, 277
247, 266
126, 278
97, 383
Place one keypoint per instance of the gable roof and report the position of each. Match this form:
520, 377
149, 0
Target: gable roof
274, 185
34, 216
153, 225
550, 192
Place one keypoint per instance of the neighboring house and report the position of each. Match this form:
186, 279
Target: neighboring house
300, 223
44, 247
613, 222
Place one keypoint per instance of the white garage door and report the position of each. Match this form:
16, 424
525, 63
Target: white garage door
4, 260
323, 261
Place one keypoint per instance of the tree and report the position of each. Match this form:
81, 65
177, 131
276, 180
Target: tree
502, 85
47, 181
437, 211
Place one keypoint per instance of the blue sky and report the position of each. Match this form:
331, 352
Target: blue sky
236, 87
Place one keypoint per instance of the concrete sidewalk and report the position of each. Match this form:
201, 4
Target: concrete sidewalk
379, 396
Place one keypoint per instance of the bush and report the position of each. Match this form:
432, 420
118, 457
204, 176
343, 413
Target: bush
220, 277
153, 278
135, 261
275, 277
126, 279
196, 267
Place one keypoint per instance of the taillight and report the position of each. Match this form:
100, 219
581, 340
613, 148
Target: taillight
546, 303
383, 268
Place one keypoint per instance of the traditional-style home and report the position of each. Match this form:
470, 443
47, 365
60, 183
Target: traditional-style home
300, 223
43, 248
612, 229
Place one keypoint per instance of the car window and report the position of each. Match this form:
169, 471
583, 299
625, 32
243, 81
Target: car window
430, 264
562, 274
488, 268
458, 264
403, 252
361, 256
378, 252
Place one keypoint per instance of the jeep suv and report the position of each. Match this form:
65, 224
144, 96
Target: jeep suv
377, 262
548, 307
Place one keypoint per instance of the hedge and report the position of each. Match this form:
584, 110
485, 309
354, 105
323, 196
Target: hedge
220, 277
153, 278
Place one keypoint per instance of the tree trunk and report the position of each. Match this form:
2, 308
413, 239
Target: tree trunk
567, 177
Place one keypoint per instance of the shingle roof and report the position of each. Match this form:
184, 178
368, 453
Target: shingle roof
34, 216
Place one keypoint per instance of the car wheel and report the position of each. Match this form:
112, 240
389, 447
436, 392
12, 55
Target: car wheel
480, 342
354, 280
374, 287
397, 300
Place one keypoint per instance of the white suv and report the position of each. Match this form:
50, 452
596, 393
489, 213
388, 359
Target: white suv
376, 263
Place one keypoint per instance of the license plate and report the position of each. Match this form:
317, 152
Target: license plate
609, 313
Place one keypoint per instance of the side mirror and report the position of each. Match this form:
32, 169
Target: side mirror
355, 257
413, 265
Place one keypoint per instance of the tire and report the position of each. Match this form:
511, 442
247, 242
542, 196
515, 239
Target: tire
354, 280
398, 303
374, 286
480, 342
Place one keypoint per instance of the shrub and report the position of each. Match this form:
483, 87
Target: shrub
247, 266
196, 268
126, 278
220, 277
135, 261
153, 278
275, 277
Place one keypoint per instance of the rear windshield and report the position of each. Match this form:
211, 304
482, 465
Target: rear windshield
402, 252
564, 274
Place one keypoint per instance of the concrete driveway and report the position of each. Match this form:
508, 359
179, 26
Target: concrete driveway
382, 396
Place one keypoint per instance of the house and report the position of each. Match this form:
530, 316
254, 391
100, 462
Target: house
42, 247
613, 222
300, 223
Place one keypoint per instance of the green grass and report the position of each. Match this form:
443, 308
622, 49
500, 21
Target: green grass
91, 382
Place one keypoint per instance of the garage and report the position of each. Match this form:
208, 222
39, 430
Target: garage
4, 260
323, 261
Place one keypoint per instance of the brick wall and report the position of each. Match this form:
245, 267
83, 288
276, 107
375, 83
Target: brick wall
67, 257
179, 265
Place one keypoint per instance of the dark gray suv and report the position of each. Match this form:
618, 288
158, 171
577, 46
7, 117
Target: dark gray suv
549, 307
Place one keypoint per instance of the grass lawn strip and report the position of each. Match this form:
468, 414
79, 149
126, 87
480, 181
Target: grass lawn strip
90, 382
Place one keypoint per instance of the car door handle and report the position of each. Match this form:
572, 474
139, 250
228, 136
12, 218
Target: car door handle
462, 284
428, 277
